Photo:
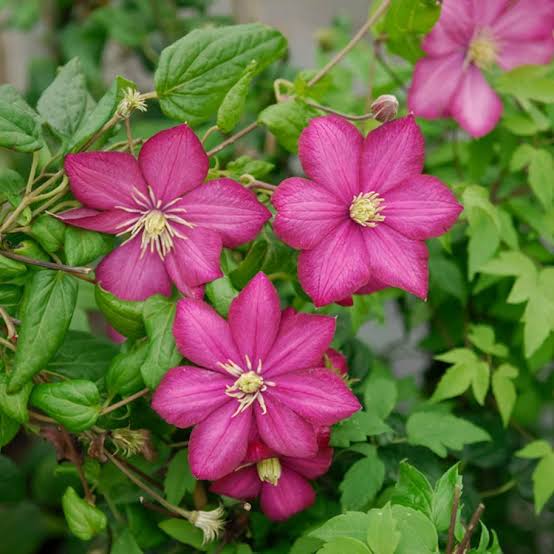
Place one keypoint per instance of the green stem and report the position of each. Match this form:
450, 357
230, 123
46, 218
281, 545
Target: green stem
124, 402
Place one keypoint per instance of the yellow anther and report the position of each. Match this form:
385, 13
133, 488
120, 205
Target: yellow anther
269, 470
365, 209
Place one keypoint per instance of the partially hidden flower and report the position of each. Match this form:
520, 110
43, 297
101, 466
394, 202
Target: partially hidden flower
336, 361
361, 218
384, 108
281, 482
175, 224
261, 371
472, 36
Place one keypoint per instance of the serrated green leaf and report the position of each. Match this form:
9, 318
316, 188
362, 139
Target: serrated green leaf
178, 479
357, 428
527, 82
50, 303
350, 524
504, 390
413, 489
382, 534
124, 316
443, 498
417, 532
380, 397
482, 336
84, 520
195, 73
438, 432
535, 449
159, 313
362, 482
75, 404
543, 481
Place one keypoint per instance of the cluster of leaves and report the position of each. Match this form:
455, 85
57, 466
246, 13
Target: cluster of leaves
483, 398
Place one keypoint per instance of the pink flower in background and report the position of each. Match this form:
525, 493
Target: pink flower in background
336, 361
472, 35
362, 216
281, 482
260, 371
176, 225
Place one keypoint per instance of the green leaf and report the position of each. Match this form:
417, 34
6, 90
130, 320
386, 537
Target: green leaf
482, 336
125, 544
340, 545
286, 121
195, 73
11, 185
84, 520
527, 82
14, 405
123, 315
504, 390
12, 481
124, 376
8, 429
413, 489
484, 239
75, 404
184, 532
159, 313
540, 166
221, 293
65, 102
350, 524
83, 246
19, 125
362, 482
438, 432
178, 479
232, 106
535, 449
443, 498
382, 534
49, 232
246, 165
380, 396
543, 481
357, 428
9, 269
446, 275
417, 532
51, 299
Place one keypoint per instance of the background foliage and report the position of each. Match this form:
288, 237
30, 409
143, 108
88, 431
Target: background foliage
481, 404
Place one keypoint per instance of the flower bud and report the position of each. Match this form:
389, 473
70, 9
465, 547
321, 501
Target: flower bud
132, 100
133, 441
385, 108
211, 523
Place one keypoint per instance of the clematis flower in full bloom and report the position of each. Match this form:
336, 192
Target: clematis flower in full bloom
175, 223
361, 218
261, 372
281, 482
472, 36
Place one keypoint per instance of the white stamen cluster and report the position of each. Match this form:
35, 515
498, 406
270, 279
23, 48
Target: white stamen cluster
211, 523
132, 100
248, 387
365, 209
269, 470
483, 49
153, 220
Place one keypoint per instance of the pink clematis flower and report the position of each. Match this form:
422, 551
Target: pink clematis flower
472, 35
281, 482
176, 225
260, 371
362, 216
336, 361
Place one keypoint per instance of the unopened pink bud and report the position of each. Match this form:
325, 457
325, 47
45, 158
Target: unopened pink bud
385, 108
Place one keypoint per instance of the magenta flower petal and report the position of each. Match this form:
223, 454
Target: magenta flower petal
187, 395
373, 285
398, 261
173, 162
131, 275
291, 495
306, 212
111, 221
311, 468
203, 336
515, 53
194, 259
525, 20
227, 207
254, 318
301, 343
318, 395
421, 207
336, 267
390, 154
453, 30
337, 360
425, 98
283, 430
329, 149
218, 444
243, 484
485, 12
104, 180
475, 106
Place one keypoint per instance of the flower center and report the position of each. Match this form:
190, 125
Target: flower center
483, 50
155, 221
365, 209
269, 470
249, 385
